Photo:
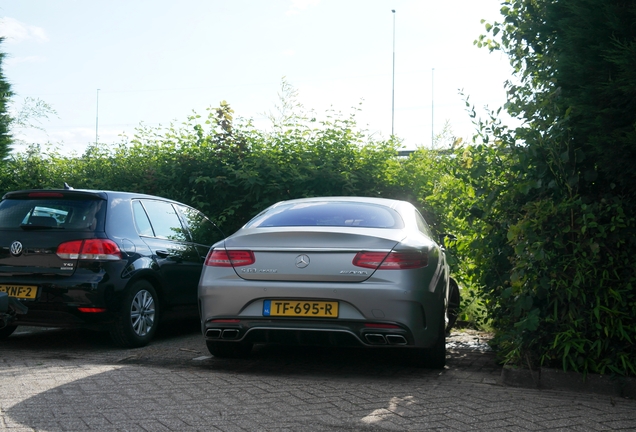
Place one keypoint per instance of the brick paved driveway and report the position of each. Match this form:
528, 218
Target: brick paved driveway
72, 380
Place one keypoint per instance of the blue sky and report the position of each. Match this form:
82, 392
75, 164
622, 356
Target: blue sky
157, 61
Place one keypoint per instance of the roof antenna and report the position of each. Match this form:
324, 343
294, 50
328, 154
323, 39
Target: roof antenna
67, 187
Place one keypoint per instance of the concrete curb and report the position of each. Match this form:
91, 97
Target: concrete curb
556, 379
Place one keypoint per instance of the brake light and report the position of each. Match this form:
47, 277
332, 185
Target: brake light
90, 249
390, 261
370, 260
382, 326
232, 258
91, 309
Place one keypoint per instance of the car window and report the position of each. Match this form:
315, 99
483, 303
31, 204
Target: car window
202, 230
141, 220
164, 220
422, 225
344, 214
69, 214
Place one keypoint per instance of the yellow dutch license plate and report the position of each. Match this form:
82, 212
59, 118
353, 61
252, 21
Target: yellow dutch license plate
25, 292
300, 308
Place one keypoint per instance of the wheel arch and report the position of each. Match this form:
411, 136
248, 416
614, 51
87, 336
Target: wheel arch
153, 279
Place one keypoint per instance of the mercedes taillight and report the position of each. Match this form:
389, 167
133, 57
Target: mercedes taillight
391, 260
231, 258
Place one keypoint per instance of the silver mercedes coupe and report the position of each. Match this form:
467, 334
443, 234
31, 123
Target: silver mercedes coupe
343, 271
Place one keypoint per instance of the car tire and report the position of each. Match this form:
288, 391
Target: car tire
454, 299
137, 316
433, 357
229, 349
7, 331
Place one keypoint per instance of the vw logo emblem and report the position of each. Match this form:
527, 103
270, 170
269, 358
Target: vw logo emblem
302, 261
16, 248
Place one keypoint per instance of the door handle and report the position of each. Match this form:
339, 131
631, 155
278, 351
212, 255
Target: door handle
167, 255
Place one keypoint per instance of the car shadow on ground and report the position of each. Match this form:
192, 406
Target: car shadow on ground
43, 338
178, 345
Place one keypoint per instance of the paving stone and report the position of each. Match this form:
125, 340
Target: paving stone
69, 380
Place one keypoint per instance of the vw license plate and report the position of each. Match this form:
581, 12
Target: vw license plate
300, 308
25, 292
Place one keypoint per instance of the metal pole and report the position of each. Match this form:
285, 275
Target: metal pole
97, 118
393, 84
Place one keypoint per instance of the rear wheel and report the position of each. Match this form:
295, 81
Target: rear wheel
454, 298
229, 349
137, 318
434, 357
7, 331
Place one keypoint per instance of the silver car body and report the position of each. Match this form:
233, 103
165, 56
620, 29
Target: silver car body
308, 258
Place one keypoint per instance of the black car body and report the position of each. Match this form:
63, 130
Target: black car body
102, 260
4, 310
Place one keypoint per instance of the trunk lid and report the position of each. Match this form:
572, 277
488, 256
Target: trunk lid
34, 253
34, 223
316, 254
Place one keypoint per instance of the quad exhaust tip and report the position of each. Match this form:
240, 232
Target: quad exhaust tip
213, 334
375, 339
230, 334
396, 340
381, 339
222, 334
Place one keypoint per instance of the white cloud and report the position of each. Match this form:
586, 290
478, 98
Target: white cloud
15, 31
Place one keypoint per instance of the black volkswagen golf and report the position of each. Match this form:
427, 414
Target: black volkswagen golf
101, 260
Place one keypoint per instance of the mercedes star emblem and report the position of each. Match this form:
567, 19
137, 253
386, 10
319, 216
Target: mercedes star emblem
302, 261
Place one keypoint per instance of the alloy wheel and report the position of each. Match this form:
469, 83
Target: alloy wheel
142, 312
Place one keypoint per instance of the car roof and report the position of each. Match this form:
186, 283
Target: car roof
103, 194
392, 203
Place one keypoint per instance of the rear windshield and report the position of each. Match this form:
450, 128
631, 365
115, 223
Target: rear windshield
338, 214
59, 213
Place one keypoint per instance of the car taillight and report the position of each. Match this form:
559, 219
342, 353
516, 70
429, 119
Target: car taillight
370, 260
90, 249
232, 258
390, 261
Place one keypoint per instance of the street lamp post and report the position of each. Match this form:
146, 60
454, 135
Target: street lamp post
393, 83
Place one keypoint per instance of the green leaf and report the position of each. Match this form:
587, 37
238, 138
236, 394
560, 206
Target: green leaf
565, 156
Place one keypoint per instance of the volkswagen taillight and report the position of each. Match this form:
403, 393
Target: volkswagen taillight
89, 249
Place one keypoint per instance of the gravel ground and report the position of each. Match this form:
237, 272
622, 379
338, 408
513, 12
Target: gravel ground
469, 339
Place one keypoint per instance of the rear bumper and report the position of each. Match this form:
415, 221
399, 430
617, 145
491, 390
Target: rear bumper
59, 300
63, 317
301, 332
363, 310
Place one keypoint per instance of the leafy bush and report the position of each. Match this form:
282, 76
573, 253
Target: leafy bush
555, 241
227, 169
